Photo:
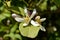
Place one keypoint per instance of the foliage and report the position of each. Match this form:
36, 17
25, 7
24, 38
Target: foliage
11, 29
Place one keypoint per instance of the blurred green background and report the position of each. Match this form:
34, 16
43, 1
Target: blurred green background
49, 9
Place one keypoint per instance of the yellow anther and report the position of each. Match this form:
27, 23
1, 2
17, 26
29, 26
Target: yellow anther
37, 19
26, 19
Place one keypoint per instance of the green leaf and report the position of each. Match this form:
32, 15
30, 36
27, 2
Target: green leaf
4, 14
2, 17
3, 28
1, 3
43, 6
15, 9
53, 7
13, 29
18, 36
2, 8
6, 35
29, 31
57, 2
57, 38
11, 35
21, 11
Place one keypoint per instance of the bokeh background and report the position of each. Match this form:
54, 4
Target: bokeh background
49, 9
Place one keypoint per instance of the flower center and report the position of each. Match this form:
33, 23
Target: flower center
37, 19
26, 19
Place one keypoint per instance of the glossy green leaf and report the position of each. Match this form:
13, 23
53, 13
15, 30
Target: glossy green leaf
4, 14
2, 17
3, 28
6, 35
29, 31
18, 36
15, 9
2, 8
13, 29
21, 11
43, 6
13, 36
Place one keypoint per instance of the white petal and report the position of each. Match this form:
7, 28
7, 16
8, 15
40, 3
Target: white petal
25, 24
18, 19
42, 28
43, 19
14, 15
33, 14
34, 11
34, 23
25, 10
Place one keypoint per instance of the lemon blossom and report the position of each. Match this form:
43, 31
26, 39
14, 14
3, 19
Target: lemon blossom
28, 19
37, 22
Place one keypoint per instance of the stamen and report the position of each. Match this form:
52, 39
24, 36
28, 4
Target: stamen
37, 19
26, 19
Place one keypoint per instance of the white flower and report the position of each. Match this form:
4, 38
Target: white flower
32, 15
28, 19
36, 23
